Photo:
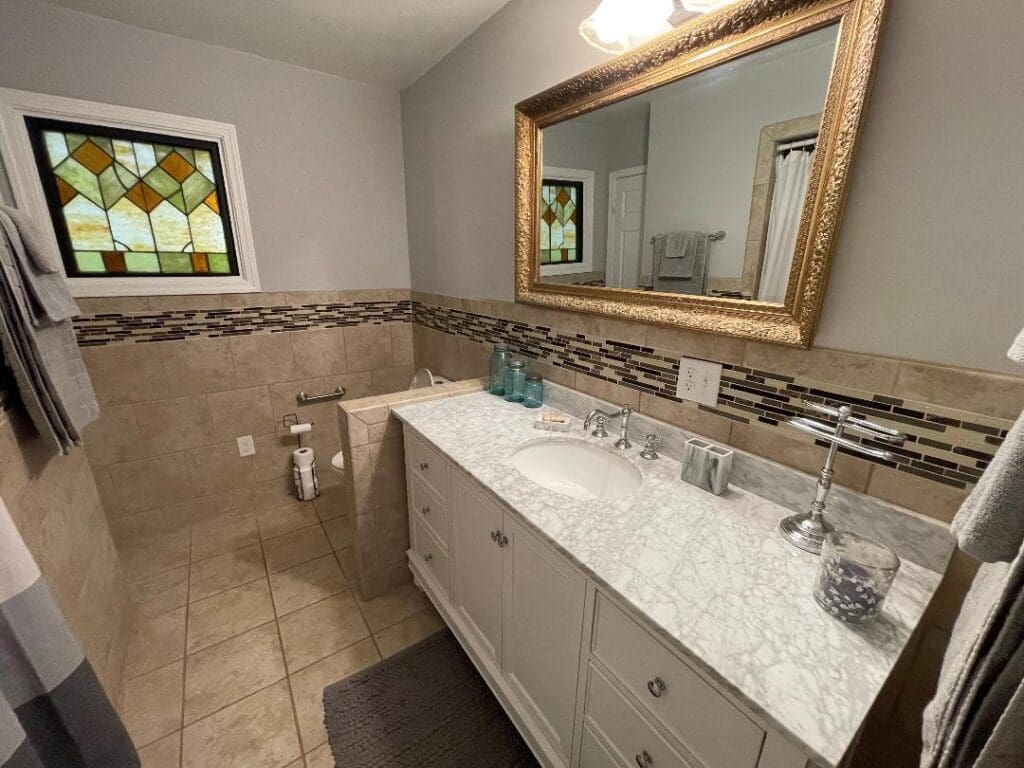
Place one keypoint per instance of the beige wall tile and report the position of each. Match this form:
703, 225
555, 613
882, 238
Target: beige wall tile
308, 687
864, 372
305, 584
262, 359
229, 671
151, 705
686, 415
705, 346
773, 443
228, 614
402, 352
119, 305
114, 437
319, 352
224, 533
274, 455
198, 365
217, 468
296, 547
126, 373
990, 394
926, 497
392, 379
184, 302
368, 347
173, 425
256, 732
156, 482
286, 518
238, 412
264, 299
606, 390
310, 634
156, 642
222, 572
305, 298
408, 632
165, 753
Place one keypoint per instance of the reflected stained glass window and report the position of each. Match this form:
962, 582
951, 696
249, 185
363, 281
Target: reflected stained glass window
561, 221
129, 203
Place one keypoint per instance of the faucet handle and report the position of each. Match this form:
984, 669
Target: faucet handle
599, 430
651, 442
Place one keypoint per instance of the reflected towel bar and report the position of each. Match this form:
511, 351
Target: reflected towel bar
714, 237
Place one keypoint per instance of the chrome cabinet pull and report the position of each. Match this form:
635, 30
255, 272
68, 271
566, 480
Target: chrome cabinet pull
502, 540
494, 535
656, 687
644, 759
428, 557
425, 510
424, 466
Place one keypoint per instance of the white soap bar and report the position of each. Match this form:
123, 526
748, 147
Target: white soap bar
549, 423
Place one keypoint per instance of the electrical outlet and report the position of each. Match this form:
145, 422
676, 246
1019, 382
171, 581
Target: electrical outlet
698, 381
246, 446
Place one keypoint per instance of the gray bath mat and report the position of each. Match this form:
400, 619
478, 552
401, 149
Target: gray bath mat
425, 707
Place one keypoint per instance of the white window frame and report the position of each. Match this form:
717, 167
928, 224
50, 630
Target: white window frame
587, 177
22, 172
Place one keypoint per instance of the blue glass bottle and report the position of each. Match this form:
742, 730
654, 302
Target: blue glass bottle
533, 392
500, 356
515, 380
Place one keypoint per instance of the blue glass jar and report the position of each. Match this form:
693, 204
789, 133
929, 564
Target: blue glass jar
533, 391
500, 356
515, 380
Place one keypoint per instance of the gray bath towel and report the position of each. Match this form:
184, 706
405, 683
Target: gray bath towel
681, 262
976, 719
39, 269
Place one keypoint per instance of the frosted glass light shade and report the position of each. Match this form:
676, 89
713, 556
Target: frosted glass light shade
704, 6
618, 25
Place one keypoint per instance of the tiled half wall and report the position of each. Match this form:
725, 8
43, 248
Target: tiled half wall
955, 418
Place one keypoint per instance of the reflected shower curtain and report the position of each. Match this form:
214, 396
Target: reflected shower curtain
53, 711
792, 172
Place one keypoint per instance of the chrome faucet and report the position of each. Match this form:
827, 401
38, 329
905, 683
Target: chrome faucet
601, 418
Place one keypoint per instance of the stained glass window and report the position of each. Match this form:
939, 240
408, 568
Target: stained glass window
129, 203
561, 221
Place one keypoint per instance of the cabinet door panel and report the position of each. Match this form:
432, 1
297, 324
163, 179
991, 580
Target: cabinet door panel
477, 566
543, 632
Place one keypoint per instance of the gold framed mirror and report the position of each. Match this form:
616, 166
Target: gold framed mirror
698, 181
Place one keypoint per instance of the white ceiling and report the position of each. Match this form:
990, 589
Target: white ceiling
384, 42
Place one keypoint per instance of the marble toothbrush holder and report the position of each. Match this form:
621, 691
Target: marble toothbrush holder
706, 465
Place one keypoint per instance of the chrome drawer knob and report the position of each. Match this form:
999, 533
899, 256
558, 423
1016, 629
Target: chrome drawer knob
428, 557
502, 540
425, 510
494, 535
424, 466
656, 687
644, 759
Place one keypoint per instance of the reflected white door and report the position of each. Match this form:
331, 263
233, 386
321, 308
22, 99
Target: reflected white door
625, 226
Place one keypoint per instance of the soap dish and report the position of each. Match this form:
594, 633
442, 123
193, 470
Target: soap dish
553, 421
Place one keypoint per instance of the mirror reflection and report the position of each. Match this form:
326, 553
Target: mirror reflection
696, 187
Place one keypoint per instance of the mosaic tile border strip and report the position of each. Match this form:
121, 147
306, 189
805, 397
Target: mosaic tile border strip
174, 325
942, 445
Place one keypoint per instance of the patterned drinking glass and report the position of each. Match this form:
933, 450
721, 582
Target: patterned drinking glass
854, 576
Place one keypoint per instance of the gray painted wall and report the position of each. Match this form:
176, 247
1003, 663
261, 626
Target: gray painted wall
322, 156
929, 263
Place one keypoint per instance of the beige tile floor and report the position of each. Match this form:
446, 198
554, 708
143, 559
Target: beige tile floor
241, 631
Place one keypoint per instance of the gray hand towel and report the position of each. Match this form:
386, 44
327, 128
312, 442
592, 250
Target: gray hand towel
678, 255
51, 301
36, 245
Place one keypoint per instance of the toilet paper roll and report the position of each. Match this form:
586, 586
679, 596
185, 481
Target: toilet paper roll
303, 458
300, 429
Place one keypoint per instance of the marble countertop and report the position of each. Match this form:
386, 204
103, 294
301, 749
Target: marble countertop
710, 573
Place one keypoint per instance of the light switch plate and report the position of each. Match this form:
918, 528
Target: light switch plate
246, 446
699, 381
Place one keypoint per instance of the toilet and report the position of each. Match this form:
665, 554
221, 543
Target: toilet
421, 380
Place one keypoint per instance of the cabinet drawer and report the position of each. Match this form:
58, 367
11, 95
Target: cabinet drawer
429, 508
704, 721
431, 553
593, 754
635, 740
427, 464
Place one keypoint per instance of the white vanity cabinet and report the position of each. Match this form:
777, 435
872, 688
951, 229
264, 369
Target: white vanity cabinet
588, 684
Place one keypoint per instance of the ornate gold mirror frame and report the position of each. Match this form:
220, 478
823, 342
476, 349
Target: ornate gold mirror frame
707, 41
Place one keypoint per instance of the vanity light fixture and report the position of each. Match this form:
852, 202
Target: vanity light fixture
704, 6
618, 25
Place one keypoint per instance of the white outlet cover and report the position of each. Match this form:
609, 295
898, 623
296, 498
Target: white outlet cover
246, 445
699, 381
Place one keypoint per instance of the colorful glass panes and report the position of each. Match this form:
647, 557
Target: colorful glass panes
127, 203
561, 221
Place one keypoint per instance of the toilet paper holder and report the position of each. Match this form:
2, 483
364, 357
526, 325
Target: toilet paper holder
290, 421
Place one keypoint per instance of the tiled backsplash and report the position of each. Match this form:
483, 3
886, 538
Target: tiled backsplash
944, 445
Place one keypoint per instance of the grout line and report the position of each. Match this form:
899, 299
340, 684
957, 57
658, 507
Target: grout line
184, 664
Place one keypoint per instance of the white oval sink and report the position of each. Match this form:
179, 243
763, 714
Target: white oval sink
580, 470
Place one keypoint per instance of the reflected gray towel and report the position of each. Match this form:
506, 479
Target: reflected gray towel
990, 523
681, 275
678, 250
39, 269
